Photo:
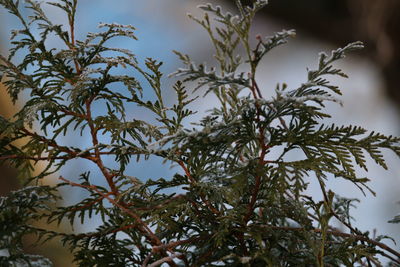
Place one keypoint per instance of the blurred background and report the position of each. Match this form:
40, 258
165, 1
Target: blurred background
371, 95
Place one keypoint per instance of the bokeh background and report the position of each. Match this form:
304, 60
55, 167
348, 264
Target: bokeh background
371, 95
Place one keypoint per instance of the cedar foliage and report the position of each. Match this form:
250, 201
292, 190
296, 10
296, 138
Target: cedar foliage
235, 204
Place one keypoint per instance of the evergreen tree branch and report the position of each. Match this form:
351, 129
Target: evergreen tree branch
338, 234
240, 206
193, 182
93, 131
148, 233
263, 147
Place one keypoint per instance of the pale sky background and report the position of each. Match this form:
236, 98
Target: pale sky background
163, 26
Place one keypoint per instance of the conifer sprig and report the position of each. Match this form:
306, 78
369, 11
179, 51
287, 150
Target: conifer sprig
237, 198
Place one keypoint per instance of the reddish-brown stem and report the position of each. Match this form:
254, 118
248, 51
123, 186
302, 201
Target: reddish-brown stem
255, 85
176, 243
148, 233
334, 213
250, 208
254, 89
72, 154
158, 249
75, 114
161, 261
109, 177
33, 158
93, 131
72, 30
193, 181
93, 202
196, 208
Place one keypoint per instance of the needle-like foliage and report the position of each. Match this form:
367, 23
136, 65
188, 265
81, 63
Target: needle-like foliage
237, 197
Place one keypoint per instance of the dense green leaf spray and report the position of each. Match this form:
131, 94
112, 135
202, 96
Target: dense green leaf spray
234, 203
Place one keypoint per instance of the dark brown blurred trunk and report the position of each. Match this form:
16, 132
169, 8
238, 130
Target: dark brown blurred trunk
8, 175
8, 179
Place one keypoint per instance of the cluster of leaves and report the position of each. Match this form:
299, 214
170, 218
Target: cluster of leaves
236, 202
18, 210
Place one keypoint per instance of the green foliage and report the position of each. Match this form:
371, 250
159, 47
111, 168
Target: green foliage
18, 210
235, 203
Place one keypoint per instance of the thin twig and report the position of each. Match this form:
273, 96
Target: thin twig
340, 234
193, 181
263, 146
93, 131
165, 259
148, 233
